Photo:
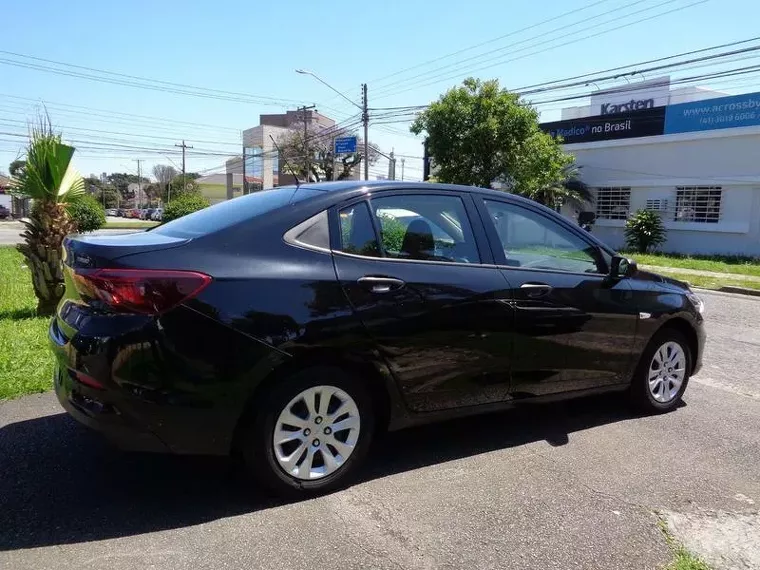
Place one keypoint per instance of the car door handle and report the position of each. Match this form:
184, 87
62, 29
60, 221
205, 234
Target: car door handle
381, 284
536, 289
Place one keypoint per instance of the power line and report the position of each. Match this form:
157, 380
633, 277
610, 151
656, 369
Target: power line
564, 44
515, 32
647, 62
436, 72
170, 85
111, 113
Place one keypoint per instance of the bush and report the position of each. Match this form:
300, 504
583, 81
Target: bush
87, 213
644, 231
392, 232
183, 206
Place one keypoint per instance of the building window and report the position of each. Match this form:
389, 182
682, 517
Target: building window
698, 204
613, 203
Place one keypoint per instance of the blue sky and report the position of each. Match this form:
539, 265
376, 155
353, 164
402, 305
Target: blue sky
254, 48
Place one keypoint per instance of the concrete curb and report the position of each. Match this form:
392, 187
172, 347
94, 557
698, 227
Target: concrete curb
728, 290
740, 290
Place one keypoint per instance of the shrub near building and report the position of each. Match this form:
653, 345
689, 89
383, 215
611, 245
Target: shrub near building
183, 206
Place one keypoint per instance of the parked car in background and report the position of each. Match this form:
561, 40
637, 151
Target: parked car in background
4, 213
289, 327
157, 215
149, 214
111, 212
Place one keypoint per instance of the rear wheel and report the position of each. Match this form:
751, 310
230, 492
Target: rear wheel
310, 434
663, 373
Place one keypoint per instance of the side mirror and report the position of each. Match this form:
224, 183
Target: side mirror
621, 267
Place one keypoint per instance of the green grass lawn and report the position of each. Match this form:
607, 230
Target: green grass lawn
711, 282
130, 225
26, 365
721, 264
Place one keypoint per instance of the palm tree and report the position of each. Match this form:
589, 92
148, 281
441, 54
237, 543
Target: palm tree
50, 181
568, 189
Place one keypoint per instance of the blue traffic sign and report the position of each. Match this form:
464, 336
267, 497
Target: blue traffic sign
345, 145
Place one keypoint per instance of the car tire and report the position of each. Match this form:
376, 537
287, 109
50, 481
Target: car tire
662, 374
320, 449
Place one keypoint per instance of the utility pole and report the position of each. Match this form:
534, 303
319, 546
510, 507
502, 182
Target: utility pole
306, 159
402, 169
334, 159
183, 146
245, 186
365, 120
391, 167
139, 182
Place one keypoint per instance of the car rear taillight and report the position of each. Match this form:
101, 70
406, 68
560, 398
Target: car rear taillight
144, 291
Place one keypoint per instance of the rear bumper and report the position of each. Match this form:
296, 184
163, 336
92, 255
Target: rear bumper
91, 408
147, 385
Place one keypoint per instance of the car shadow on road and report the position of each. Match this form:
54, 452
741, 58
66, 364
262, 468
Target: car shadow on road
61, 483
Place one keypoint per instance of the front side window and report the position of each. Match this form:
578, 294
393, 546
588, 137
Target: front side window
531, 240
425, 227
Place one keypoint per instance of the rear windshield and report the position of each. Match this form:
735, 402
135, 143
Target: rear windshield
231, 212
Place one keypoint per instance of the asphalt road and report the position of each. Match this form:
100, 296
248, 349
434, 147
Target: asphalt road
573, 485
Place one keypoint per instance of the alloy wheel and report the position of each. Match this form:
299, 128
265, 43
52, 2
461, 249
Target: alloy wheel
316, 433
667, 372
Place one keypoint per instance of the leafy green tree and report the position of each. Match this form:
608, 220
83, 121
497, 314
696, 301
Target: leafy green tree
87, 214
479, 134
323, 163
184, 205
183, 186
49, 179
15, 167
644, 231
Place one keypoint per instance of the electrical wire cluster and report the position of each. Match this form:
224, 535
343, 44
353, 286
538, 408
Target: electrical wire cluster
128, 135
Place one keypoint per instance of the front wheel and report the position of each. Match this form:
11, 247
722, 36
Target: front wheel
310, 434
663, 373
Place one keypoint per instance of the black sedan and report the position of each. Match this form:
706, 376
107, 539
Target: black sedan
290, 326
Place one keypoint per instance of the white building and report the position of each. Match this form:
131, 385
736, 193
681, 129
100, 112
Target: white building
689, 153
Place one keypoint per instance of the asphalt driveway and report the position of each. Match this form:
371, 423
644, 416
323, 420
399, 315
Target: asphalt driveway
572, 485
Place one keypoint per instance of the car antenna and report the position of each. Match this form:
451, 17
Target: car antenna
285, 162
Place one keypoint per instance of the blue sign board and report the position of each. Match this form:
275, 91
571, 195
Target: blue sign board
719, 113
345, 145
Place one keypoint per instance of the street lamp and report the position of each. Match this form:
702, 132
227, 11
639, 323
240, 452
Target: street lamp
362, 107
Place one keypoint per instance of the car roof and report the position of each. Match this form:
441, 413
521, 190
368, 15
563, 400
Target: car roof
350, 186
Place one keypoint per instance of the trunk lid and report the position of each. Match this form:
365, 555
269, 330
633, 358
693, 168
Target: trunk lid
95, 251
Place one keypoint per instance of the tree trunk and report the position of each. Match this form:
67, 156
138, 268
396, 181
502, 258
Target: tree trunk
48, 224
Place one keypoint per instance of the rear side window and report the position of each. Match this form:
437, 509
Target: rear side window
357, 234
231, 212
425, 227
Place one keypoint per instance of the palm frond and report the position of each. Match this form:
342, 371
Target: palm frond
48, 174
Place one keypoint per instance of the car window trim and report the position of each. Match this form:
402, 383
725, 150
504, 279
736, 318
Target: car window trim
290, 238
422, 261
497, 247
478, 233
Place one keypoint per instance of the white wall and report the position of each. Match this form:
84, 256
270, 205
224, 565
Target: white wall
654, 166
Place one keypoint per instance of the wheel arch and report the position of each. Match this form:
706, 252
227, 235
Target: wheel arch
377, 378
684, 327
